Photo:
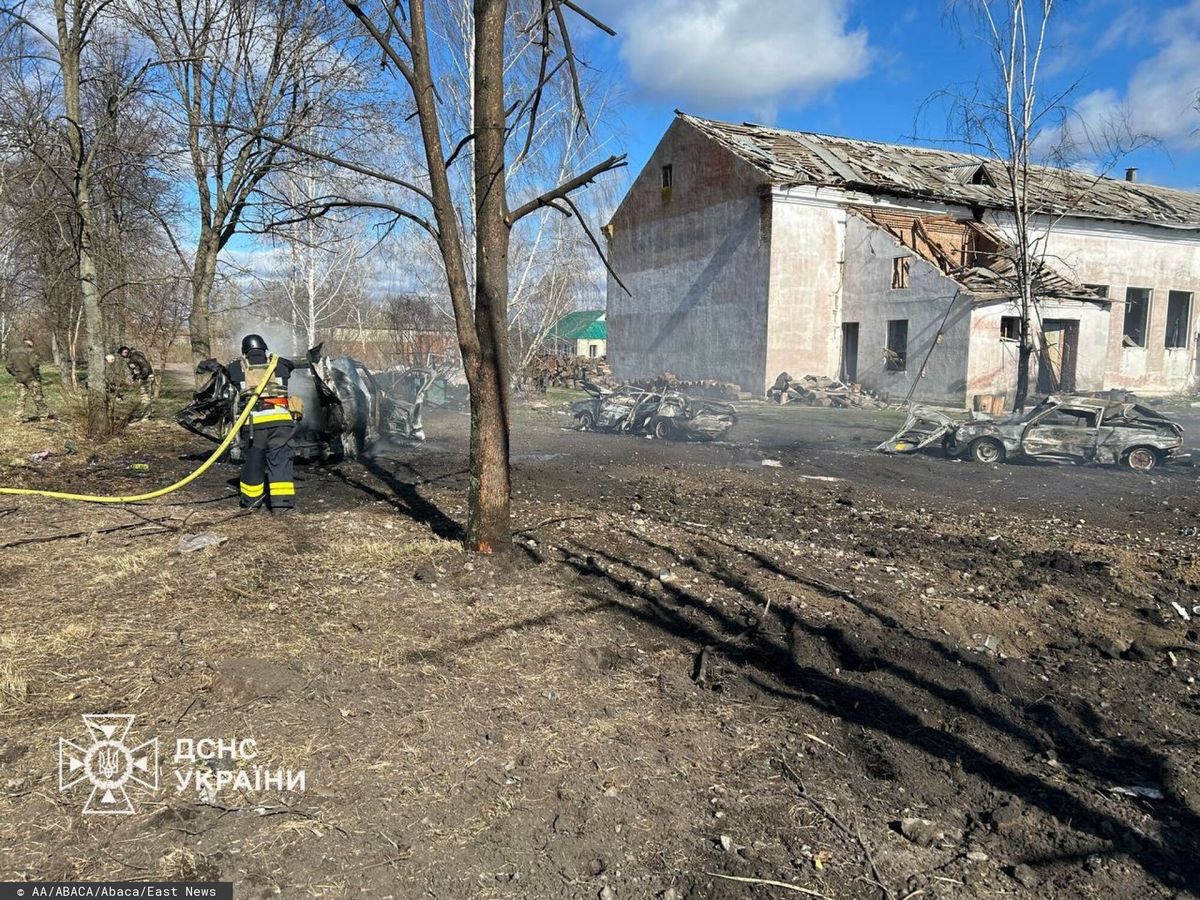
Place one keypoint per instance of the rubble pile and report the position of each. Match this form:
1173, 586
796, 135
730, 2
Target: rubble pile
816, 390
549, 370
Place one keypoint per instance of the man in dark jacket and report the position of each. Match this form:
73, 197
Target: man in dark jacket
24, 366
267, 446
141, 376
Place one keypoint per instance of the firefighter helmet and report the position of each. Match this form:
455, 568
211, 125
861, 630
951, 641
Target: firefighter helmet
253, 343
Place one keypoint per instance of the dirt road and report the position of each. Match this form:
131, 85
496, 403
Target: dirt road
856, 675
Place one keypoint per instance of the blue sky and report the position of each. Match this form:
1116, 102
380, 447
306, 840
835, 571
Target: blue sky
864, 68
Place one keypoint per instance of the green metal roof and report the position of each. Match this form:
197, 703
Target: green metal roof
582, 325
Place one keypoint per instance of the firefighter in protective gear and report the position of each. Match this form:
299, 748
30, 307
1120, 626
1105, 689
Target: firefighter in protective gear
267, 436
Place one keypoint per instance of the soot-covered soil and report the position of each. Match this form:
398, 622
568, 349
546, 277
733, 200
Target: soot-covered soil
848, 674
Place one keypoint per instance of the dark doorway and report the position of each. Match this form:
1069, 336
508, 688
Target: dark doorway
849, 352
1056, 362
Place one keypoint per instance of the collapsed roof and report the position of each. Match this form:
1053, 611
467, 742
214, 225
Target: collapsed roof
806, 158
977, 257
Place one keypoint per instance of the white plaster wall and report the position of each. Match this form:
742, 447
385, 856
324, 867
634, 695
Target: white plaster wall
931, 303
804, 313
1123, 256
993, 362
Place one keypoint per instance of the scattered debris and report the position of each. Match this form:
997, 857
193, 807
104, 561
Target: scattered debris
40, 456
794, 888
772, 464
1066, 428
991, 643
190, 543
1183, 613
1147, 793
814, 390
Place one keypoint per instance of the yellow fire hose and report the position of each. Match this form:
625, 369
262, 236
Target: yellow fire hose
153, 495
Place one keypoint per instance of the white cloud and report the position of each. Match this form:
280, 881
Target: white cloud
1161, 96
717, 54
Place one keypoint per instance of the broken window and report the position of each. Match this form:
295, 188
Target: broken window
1100, 290
1079, 418
1010, 328
896, 352
1179, 315
1137, 313
668, 181
899, 273
592, 350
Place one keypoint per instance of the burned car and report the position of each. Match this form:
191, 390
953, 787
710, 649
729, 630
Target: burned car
346, 409
663, 414
1060, 428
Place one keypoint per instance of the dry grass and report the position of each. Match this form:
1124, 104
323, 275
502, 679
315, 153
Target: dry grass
385, 553
14, 686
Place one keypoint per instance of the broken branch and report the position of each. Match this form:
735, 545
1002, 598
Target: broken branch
560, 192
595, 243
795, 888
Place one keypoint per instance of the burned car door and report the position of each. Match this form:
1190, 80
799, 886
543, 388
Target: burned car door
402, 399
679, 416
616, 410
1062, 432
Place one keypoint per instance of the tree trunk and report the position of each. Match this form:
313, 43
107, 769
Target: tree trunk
1024, 356
204, 274
70, 47
1025, 289
488, 523
97, 383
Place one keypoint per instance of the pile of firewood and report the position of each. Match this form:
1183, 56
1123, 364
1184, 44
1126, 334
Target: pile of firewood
712, 390
549, 370
815, 390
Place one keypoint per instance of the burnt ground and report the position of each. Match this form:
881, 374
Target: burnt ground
693, 666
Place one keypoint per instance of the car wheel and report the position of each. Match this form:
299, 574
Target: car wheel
586, 421
986, 450
662, 429
1141, 459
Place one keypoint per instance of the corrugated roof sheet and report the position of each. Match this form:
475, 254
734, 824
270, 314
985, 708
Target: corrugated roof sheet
582, 325
797, 157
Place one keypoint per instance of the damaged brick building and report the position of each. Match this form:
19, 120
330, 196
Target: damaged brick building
750, 251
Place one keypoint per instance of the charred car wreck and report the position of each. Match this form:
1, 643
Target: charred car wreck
347, 408
665, 414
1060, 428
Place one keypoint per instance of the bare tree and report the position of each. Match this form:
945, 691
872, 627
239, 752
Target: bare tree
401, 31
551, 263
319, 263
1012, 117
67, 44
242, 77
